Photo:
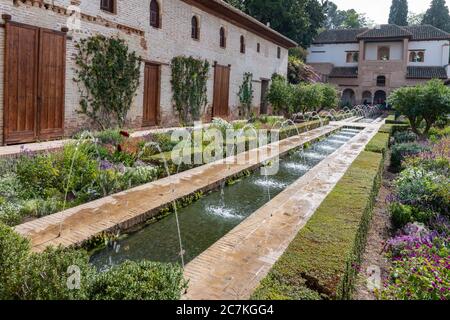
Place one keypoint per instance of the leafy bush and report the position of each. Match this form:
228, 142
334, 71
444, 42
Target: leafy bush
108, 77
279, 96
403, 150
436, 134
306, 97
45, 276
139, 281
401, 215
405, 137
427, 102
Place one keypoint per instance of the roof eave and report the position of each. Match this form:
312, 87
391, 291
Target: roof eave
228, 12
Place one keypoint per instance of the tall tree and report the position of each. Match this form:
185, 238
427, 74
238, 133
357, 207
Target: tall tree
399, 13
438, 15
299, 20
343, 19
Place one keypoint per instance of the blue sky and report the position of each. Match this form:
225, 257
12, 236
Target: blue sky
378, 10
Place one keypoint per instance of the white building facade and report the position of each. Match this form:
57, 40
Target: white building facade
39, 99
367, 64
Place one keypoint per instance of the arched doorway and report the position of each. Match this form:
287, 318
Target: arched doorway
380, 97
348, 98
367, 98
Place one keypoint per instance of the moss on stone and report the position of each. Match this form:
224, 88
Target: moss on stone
321, 262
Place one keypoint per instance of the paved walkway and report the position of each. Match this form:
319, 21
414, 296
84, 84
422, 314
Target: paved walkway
124, 210
233, 267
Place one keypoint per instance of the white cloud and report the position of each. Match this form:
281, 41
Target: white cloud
378, 10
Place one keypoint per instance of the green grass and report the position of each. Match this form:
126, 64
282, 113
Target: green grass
379, 143
320, 262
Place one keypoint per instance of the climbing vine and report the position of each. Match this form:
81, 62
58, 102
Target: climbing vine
107, 75
189, 79
246, 95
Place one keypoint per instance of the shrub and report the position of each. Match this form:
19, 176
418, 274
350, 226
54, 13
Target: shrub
427, 102
405, 137
330, 96
401, 215
403, 150
110, 136
245, 95
45, 276
139, 281
379, 143
306, 97
323, 255
279, 96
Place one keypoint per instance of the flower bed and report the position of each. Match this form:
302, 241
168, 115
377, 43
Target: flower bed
420, 248
320, 263
96, 165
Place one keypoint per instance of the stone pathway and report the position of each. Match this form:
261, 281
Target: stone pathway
126, 209
233, 267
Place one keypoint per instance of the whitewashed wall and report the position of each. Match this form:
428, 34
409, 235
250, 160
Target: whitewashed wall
436, 52
332, 53
371, 50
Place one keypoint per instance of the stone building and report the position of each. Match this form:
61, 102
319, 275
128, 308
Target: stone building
39, 99
367, 64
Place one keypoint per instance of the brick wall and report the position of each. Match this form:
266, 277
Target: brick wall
159, 45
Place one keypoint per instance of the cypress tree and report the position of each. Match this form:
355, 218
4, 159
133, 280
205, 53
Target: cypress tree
437, 15
399, 13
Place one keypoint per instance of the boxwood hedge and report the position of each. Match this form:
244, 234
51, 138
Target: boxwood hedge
321, 262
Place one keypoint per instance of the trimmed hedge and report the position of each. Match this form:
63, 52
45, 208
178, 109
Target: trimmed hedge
393, 128
379, 143
301, 128
321, 262
393, 120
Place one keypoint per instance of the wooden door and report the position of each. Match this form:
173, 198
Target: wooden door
34, 83
20, 100
221, 91
151, 94
52, 73
264, 89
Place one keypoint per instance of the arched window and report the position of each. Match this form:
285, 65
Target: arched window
417, 56
108, 5
242, 44
384, 53
155, 20
381, 81
223, 39
279, 53
195, 32
349, 57
258, 47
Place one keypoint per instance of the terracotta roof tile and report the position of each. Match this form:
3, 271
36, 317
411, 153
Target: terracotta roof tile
344, 72
426, 73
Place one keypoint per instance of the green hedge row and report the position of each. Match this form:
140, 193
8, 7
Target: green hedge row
321, 262
393, 128
379, 143
393, 120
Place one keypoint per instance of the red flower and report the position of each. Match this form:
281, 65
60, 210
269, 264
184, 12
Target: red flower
119, 148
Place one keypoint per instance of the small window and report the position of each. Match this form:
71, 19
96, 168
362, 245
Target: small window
279, 53
384, 53
417, 56
242, 44
108, 5
155, 19
258, 47
352, 57
381, 81
223, 39
195, 33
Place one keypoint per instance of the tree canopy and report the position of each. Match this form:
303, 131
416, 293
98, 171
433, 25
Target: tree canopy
438, 15
299, 20
399, 13
343, 19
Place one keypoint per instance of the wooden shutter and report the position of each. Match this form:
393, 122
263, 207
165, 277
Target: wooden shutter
151, 95
21, 61
221, 91
52, 73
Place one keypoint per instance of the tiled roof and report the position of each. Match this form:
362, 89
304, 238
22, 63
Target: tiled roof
344, 72
414, 33
338, 36
426, 73
427, 32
